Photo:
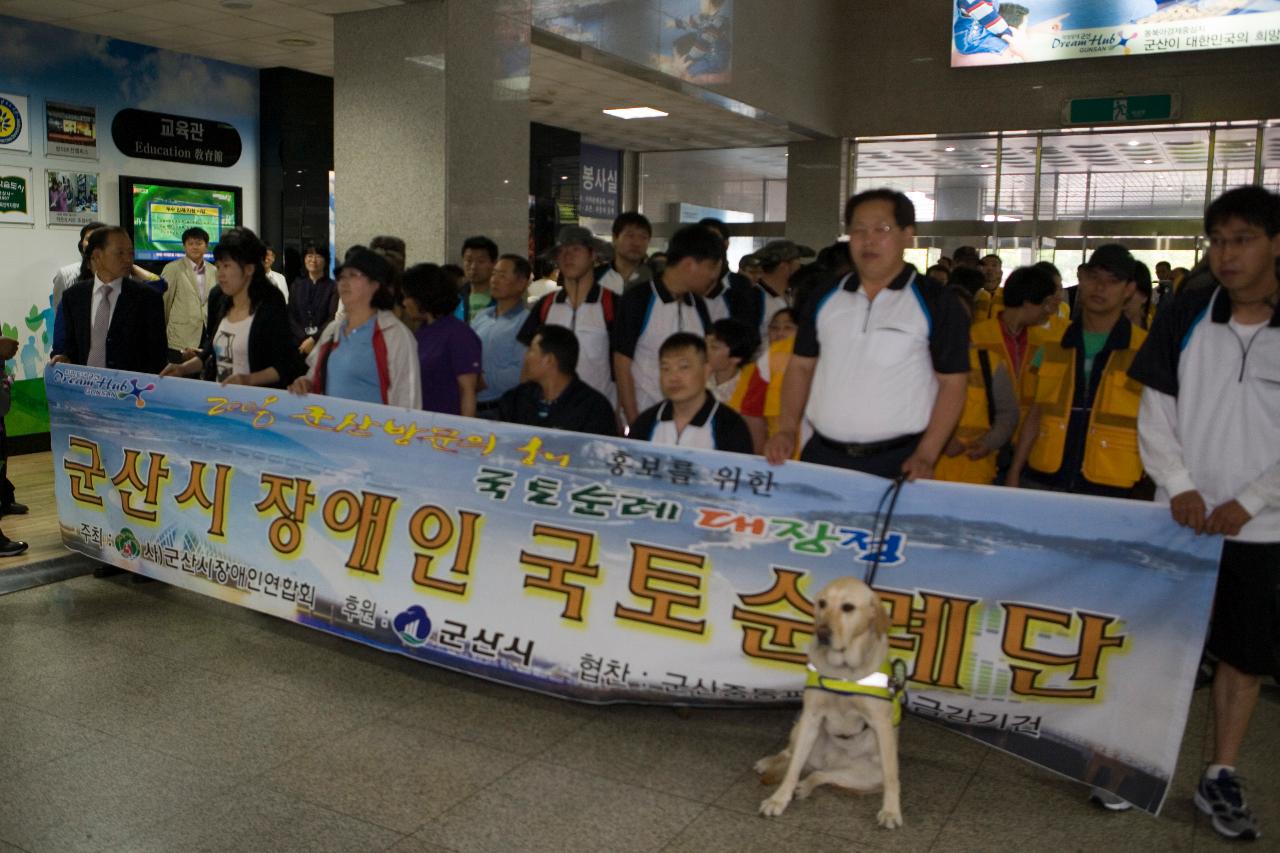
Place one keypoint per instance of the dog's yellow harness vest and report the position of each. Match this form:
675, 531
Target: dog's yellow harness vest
878, 685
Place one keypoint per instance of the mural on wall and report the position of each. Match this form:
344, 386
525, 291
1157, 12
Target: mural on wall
688, 39
80, 82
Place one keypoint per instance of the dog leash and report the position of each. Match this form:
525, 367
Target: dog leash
880, 531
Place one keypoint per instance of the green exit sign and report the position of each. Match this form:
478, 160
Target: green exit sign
1134, 108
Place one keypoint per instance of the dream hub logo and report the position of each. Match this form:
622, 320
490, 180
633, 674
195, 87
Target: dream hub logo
10, 122
413, 626
135, 390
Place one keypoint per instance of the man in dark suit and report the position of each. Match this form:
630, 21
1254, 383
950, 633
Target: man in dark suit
112, 320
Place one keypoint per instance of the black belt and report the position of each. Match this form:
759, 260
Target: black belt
490, 406
858, 451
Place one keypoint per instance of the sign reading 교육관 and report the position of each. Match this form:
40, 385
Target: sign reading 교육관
176, 139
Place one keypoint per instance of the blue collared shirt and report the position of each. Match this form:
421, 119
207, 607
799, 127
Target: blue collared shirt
501, 354
352, 369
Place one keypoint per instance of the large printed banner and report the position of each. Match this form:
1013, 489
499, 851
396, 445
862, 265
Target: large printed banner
986, 32
1065, 630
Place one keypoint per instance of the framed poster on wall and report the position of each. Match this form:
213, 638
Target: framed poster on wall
70, 130
73, 197
15, 196
15, 130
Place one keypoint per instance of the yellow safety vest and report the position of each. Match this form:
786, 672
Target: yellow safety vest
975, 422
745, 375
878, 685
779, 358
1111, 444
986, 305
989, 335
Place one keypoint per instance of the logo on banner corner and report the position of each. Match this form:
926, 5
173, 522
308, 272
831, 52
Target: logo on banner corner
127, 544
136, 390
10, 122
413, 626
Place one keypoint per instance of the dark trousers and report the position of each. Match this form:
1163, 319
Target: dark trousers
6, 487
885, 464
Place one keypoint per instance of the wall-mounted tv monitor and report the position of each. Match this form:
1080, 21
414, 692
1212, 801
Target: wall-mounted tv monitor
157, 211
990, 32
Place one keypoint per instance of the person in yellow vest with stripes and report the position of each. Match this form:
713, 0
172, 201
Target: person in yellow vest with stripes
990, 412
1081, 433
1061, 317
989, 301
731, 350
762, 403
1021, 327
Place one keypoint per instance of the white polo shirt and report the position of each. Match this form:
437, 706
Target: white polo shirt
591, 322
877, 359
714, 427
647, 316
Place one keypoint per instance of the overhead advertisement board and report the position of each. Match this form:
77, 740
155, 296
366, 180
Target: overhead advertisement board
988, 32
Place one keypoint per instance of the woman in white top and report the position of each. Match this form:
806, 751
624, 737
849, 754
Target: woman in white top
247, 339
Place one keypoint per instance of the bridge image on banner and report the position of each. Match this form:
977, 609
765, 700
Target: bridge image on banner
1062, 629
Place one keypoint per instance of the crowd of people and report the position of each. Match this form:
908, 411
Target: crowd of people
1129, 385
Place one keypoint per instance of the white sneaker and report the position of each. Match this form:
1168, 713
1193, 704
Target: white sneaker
1109, 801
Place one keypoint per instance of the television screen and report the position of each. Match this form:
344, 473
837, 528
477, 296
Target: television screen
158, 212
990, 32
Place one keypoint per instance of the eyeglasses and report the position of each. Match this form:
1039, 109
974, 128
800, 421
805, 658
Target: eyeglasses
871, 232
1237, 241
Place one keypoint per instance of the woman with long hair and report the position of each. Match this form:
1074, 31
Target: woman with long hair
247, 340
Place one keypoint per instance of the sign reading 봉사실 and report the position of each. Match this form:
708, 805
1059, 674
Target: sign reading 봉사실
598, 185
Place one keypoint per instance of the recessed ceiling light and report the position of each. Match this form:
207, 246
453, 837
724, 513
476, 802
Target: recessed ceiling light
984, 165
635, 112
949, 148
1132, 142
296, 42
1148, 162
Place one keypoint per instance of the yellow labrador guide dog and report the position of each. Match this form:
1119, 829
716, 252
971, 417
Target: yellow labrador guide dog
847, 732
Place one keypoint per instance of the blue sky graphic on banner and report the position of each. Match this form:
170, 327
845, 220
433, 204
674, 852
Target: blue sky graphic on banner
52, 64
1063, 629
688, 39
987, 32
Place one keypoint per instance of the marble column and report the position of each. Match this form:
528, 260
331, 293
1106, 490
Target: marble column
817, 191
431, 125
817, 188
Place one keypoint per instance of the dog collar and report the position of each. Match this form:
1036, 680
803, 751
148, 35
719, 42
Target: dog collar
877, 685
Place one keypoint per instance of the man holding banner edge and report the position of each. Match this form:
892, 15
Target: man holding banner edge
1209, 422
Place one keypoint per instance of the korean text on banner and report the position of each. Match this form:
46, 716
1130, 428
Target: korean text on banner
1065, 630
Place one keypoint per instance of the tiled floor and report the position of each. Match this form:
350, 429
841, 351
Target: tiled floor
145, 718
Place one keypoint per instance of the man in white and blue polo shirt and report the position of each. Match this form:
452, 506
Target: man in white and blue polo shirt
881, 356
648, 315
1209, 433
